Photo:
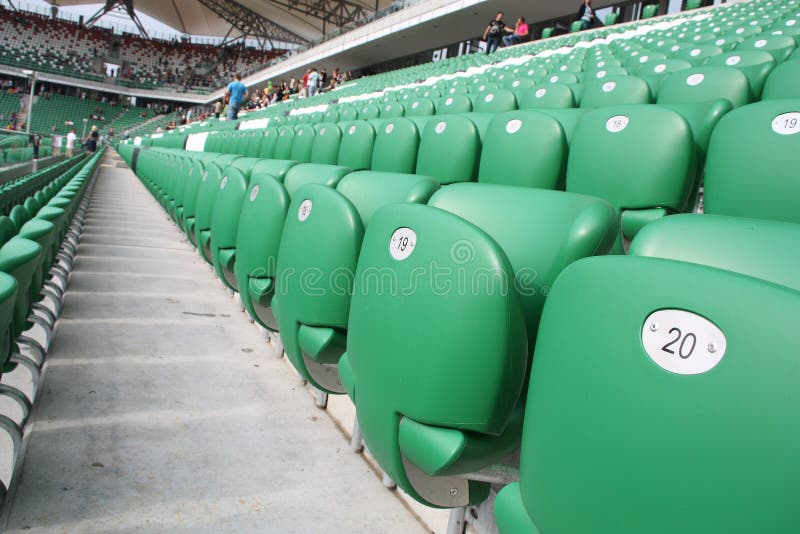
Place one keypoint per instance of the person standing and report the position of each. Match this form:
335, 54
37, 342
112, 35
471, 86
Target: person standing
71, 138
92, 139
35, 141
586, 15
217, 108
236, 93
313, 83
519, 35
494, 32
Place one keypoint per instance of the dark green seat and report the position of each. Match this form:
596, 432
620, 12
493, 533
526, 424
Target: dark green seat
752, 162
606, 416
443, 320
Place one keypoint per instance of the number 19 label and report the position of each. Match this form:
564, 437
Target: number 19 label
683, 342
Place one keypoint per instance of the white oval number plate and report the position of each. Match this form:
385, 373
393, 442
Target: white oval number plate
617, 123
402, 243
682, 342
304, 211
787, 123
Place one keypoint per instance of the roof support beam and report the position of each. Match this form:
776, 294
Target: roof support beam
250, 23
125, 5
336, 12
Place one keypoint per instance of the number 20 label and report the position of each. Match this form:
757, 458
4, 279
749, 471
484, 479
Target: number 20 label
683, 342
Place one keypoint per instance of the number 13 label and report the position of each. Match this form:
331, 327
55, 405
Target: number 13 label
683, 342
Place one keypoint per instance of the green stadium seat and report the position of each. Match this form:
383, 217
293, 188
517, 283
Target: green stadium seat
392, 110
705, 84
755, 64
458, 103
780, 46
415, 394
783, 81
204, 209
325, 237
649, 11
654, 179
548, 96
615, 90
683, 394
225, 224
495, 101
718, 241
506, 157
421, 107
396, 145
752, 158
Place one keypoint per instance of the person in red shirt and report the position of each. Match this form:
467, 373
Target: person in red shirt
520, 33
303, 86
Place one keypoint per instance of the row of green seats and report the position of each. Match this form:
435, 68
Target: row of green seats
37, 244
342, 260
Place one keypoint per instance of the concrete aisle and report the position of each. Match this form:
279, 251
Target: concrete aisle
165, 411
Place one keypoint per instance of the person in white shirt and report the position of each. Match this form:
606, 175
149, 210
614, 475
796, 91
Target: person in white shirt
71, 137
313, 83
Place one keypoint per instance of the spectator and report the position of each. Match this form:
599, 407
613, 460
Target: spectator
71, 137
304, 84
494, 31
323, 79
35, 141
586, 15
217, 108
313, 83
91, 140
520, 33
236, 94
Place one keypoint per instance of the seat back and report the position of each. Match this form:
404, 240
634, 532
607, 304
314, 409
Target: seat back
718, 241
325, 149
266, 148
283, 146
615, 90
705, 84
355, 149
548, 96
783, 81
755, 64
302, 143
671, 364
396, 144
456, 103
495, 101
260, 225
225, 223
523, 148
420, 107
657, 171
752, 162
449, 149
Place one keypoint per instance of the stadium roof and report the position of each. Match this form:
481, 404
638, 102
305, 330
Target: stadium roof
293, 21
